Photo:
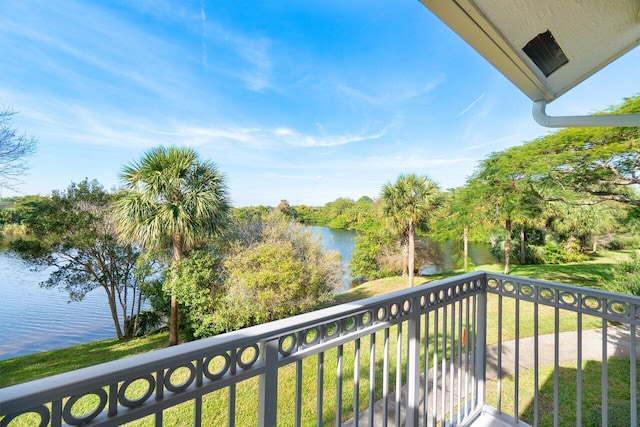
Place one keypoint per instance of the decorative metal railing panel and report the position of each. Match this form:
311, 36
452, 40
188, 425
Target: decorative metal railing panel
342, 344
413, 357
569, 330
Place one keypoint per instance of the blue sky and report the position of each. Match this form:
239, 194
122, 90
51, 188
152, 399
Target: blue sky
300, 100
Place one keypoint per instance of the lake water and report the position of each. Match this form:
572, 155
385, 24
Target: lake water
34, 319
442, 256
342, 241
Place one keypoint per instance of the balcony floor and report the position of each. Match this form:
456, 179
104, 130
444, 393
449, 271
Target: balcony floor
487, 419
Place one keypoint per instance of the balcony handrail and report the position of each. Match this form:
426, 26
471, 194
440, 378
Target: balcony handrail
595, 302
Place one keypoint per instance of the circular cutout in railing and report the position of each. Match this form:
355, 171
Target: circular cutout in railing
350, 324
567, 298
132, 398
29, 417
366, 318
97, 397
220, 363
311, 336
508, 287
526, 290
546, 294
619, 308
592, 303
247, 356
331, 330
433, 298
394, 310
179, 372
406, 306
287, 344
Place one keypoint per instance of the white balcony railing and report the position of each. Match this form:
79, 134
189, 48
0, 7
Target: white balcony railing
412, 357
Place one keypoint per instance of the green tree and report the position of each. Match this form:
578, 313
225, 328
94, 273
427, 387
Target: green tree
366, 263
285, 208
171, 199
408, 202
199, 286
580, 225
250, 212
595, 164
280, 271
74, 232
502, 186
457, 220
363, 216
306, 214
332, 213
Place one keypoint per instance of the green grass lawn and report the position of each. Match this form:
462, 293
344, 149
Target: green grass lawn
618, 387
592, 273
46, 364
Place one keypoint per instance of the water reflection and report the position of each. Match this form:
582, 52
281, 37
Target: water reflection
342, 241
440, 257
433, 257
34, 319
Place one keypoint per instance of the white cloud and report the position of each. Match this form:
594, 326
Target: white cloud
203, 18
96, 125
399, 91
334, 140
92, 48
470, 106
257, 71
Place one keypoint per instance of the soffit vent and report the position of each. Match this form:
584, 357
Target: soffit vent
546, 53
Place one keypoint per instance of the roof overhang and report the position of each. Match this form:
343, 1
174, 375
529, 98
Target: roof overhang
544, 47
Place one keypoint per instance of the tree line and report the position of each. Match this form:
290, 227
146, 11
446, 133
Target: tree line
168, 236
550, 200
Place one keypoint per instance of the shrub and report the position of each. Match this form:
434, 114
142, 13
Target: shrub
623, 242
276, 270
554, 253
626, 276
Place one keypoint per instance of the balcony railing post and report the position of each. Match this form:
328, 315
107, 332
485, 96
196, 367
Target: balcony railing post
268, 388
481, 343
413, 367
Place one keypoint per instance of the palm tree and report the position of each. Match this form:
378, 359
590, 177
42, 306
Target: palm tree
406, 203
171, 199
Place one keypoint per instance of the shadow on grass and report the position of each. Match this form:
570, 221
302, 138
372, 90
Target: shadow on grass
618, 389
590, 275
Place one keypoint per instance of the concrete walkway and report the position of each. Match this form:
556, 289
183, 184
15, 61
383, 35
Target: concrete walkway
617, 340
617, 345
